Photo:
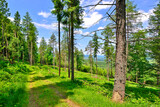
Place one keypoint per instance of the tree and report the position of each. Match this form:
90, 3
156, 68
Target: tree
79, 58
58, 5
138, 63
17, 29
52, 41
4, 13
89, 50
154, 22
108, 48
132, 22
26, 23
120, 64
32, 40
42, 50
95, 47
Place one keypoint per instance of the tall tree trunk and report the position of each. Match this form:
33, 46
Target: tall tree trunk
111, 69
136, 76
6, 46
18, 50
127, 43
59, 35
53, 57
120, 64
108, 68
72, 45
69, 52
31, 54
96, 66
3, 39
158, 77
91, 61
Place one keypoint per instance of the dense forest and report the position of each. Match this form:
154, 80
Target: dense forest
58, 73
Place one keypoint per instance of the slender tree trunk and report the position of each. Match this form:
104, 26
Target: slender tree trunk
69, 52
108, 68
6, 46
136, 76
127, 43
65, 62
31, 54
111, 69
158, 77
72, 45
120, 65
96, 66
53, 57
59, 35
23, 56
18, 50
3, 39
91, 61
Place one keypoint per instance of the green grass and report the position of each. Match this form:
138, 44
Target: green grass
41, 86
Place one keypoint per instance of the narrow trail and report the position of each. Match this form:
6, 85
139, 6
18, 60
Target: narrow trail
43, 93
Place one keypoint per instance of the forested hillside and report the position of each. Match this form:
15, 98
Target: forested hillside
119, 65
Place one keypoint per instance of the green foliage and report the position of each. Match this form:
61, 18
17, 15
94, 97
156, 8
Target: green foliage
13, 84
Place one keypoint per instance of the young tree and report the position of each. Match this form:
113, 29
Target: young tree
138, 57
26, 23
95, 47
108, 48
89, 50
32, 40
17, 29
53, 42
42, 50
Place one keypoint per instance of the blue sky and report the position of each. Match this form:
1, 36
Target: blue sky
46, 23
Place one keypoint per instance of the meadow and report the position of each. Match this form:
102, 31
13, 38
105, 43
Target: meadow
23, 85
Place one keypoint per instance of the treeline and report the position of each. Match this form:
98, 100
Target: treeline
18, 38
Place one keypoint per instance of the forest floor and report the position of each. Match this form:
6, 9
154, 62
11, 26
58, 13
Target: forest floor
43, 92
23, 85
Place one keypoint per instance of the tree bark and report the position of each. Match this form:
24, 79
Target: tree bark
120, 64
158, 77
136, 76
3, 39
72, 45
69, 52
59, 48
111, 69
107, 68
96, 66
53, 57
31, 54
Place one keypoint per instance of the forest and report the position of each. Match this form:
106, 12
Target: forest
118, 67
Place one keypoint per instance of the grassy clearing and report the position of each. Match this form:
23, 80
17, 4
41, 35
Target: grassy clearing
41, 86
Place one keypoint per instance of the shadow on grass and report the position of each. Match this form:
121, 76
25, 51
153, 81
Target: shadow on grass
131, 92
52, 94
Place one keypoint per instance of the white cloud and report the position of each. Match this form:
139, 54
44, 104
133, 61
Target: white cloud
86, 33
91, 19
44, 14
52, 26
145, 15
11, 18
78, 32
100, 28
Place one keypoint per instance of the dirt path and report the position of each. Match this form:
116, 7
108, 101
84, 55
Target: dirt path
42, 93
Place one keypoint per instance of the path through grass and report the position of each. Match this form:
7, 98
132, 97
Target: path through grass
44, 93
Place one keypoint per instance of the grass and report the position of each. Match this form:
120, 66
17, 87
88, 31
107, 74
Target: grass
41, 86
